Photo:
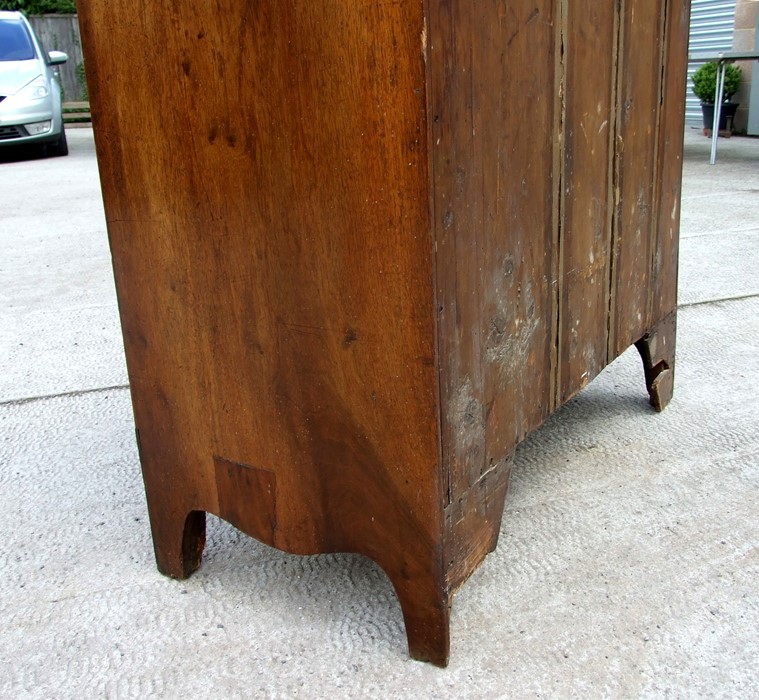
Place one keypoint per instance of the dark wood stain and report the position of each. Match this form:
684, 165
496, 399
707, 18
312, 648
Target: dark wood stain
367, 247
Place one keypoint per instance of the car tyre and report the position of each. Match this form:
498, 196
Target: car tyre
60, 147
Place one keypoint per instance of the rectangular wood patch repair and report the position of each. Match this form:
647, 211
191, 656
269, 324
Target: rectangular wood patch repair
247, 498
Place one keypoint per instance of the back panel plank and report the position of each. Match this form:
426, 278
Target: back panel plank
494, 198
638, 95
590, 47
457, 216
665, 254
518, 110
494, 212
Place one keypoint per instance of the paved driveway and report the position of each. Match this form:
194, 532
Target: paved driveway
58, 318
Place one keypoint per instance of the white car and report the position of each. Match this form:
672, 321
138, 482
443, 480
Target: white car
31, 111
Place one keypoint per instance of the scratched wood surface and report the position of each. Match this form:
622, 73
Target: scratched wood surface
591, 31
494, 208
362, 249
638, 101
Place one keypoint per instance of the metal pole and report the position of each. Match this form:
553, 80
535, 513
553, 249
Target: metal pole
719, 89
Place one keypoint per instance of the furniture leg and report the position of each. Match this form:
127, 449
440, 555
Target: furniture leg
657, 350
178, 540
425, 603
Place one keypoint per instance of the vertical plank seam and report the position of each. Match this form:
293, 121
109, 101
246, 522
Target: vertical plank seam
615, 156
659, 155
478, 228
559, 168
679, 16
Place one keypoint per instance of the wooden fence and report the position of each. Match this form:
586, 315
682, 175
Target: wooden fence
61, 33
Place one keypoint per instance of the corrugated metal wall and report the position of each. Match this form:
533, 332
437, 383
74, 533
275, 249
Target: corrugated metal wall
711, 29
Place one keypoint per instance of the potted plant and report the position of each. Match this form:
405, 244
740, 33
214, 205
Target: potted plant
704, 87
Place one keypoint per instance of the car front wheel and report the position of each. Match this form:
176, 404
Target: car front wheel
60, 147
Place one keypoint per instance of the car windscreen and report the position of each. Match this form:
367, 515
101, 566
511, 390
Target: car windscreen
15, 42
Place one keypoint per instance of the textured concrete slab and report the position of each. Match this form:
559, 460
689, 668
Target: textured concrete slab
719, 246
719, 267
629, 552
59, 328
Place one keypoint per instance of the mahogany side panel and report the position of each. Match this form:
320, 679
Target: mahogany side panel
267, 201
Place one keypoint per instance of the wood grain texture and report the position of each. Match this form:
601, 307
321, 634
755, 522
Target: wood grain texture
657, 350
363, 248
269, 226
586, 190
495, 252
663, 290
639, 86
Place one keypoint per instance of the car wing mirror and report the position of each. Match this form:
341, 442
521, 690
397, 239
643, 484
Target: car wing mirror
55, 58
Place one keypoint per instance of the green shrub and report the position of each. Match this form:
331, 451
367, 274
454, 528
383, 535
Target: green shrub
40, 7
705, 82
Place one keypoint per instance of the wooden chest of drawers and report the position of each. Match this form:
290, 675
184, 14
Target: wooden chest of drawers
363, 248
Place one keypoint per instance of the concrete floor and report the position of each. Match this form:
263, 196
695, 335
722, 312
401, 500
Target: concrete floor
628, 564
